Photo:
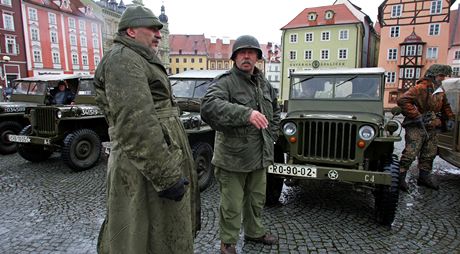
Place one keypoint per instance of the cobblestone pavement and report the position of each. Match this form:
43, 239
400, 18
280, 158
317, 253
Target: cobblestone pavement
47, 208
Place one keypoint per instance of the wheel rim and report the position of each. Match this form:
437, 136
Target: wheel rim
83, 149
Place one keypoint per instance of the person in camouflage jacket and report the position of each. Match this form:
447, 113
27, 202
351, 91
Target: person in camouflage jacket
426, 110
152, 191
241, 106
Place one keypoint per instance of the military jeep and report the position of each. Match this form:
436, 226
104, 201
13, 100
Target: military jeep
76, 131
188, 88
26, 92
335, 129
449, 140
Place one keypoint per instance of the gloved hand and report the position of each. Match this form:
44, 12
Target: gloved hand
450, 124
175, 192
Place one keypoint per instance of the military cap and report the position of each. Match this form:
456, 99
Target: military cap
138, 16
438, 69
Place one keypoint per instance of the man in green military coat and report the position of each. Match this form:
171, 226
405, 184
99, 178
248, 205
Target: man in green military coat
152, 195
242, 107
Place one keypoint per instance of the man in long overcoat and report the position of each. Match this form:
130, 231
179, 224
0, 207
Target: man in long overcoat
152, 195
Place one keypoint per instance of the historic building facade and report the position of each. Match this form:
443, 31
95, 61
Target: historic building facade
12, 50
453, 56
327, 37
414, 35
188, 52
61, 36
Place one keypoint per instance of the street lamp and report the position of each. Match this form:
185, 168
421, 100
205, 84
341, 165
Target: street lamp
5, 59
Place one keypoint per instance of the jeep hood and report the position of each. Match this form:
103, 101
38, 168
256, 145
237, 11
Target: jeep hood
346, 116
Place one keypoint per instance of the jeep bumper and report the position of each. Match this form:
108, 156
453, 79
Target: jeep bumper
29, 140
329, 173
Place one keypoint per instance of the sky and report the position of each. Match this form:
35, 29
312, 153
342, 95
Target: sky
232, 18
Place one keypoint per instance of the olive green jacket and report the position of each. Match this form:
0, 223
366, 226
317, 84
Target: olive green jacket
226, 107
150, 152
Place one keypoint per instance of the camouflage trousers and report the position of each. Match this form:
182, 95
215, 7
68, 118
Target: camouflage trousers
241, 193
420, 146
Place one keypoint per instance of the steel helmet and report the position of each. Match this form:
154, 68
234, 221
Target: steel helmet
438, 69
246, 42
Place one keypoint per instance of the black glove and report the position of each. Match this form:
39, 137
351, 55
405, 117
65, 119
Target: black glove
175, 192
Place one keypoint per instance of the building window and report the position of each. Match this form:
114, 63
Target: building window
312, 16
392, 54
290, 70
391, 77
329, 14
293, 38
325, 54
177, 60
394, 31
8, 21
343, 35
56, 59
343, 54
200, 60
94, 28
193, 60
6, 2
52, 18
83, 41
95, 42
37, 56
436, 7
396, 10
177, 70
213, 66
72, 23
409, 73
292, 55
74, 58
455, 71
417, 73
84, 59
308, 37
457, 55
33, 14
325, 36
393, 98
10, 42
34, 34
81, 25
185, 60
432, 53
308, 54
54, 38
219, 66
434, 29
73, 40
226, 66
410, 50
97, 59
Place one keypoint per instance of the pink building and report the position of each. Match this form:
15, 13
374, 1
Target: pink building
413, 36
453, 58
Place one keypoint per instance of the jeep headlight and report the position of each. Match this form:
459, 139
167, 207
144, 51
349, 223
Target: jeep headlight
59, 114
366, 132
289, 128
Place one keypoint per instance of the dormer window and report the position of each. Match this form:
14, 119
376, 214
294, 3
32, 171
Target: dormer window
312, 16
329, 14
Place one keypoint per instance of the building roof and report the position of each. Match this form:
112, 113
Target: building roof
454, 28
187, 44
220, 48
342, 15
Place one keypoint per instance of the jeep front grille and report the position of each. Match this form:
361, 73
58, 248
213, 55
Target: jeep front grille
327, 140
44, 120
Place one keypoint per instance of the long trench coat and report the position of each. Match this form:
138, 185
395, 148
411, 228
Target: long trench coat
150, 152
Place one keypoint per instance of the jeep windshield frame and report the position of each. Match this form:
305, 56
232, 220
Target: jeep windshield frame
190, 88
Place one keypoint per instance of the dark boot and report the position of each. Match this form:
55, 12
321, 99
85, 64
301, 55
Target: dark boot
226, 248
402, 182
267, 239
426, 179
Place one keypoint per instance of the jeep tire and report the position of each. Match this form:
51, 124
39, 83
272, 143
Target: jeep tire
202, 155
274, 183
81, 150
31, 152
386, 197
7, 128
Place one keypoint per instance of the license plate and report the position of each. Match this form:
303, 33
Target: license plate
293, 170
19, 139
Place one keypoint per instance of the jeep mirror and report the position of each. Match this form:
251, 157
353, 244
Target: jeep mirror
396, 110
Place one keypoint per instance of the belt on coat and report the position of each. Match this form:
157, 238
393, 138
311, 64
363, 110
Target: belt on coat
167, 112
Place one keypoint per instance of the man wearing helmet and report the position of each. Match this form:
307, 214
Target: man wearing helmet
426, 110
241, 106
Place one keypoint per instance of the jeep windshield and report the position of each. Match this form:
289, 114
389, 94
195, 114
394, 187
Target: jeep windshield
86, 87
189, 88
29, 88
336, 87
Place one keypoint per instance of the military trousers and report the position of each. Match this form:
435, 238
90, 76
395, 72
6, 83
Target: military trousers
241, 193
419, 145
